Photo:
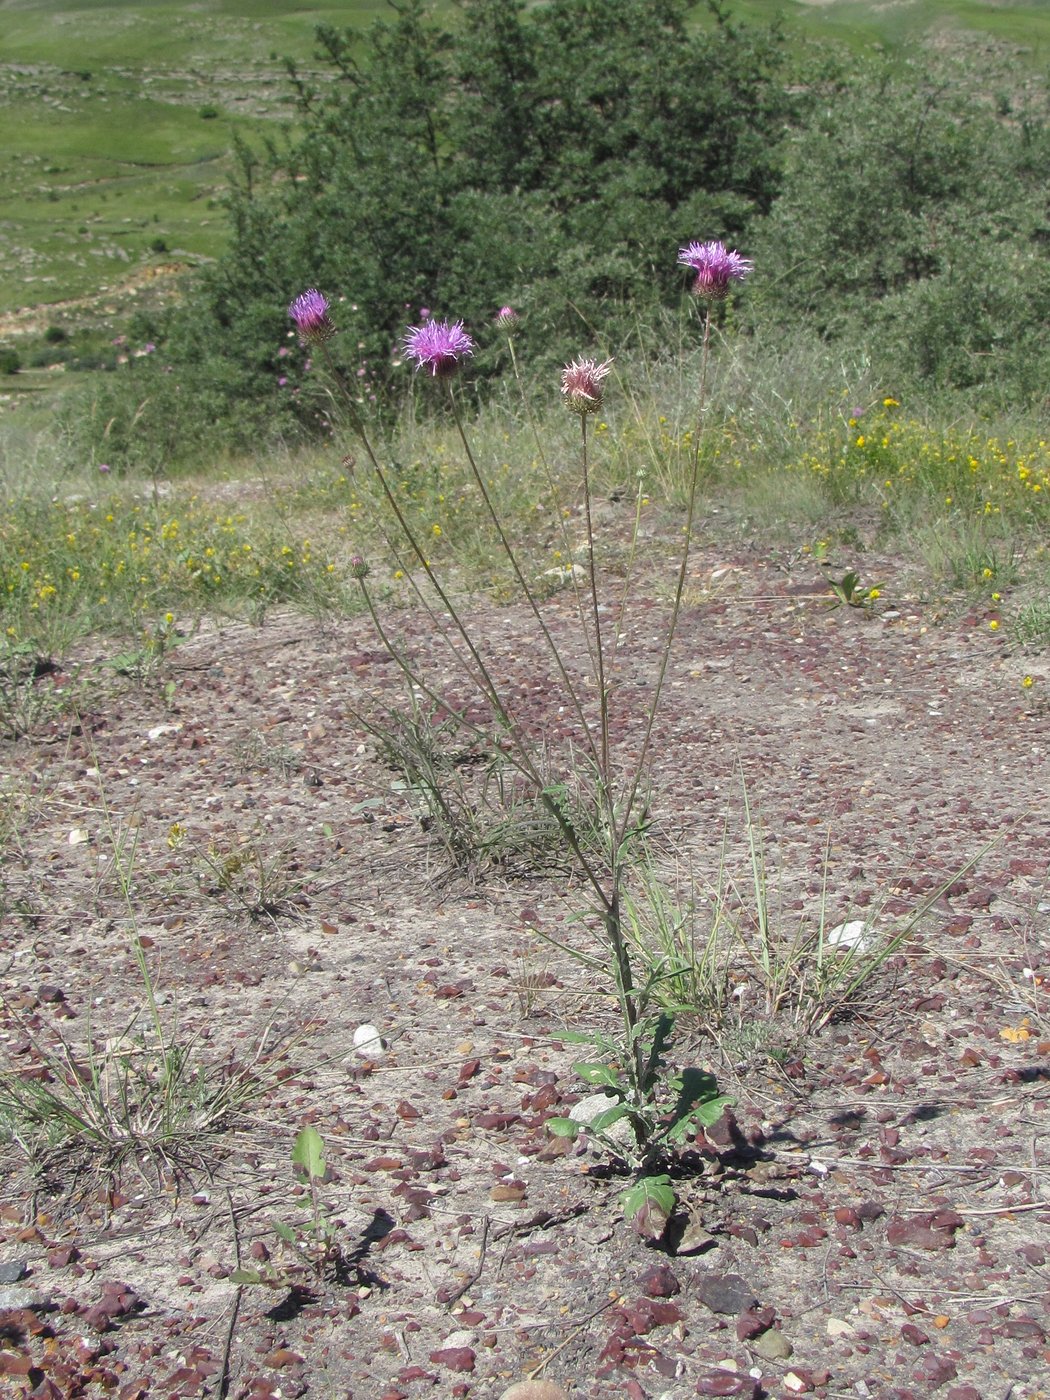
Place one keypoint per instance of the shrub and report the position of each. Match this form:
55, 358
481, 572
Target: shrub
548, 157
913, 220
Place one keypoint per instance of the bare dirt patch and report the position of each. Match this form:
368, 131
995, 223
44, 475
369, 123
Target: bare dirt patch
872, 1221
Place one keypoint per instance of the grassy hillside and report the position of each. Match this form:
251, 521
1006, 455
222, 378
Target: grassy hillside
115, 125
116, 120
862, 23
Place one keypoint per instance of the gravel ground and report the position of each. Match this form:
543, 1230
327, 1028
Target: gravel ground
870, 1220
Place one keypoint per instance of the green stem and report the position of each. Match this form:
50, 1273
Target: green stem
521, 757
552, 487
679, 587
508, 549
599, 655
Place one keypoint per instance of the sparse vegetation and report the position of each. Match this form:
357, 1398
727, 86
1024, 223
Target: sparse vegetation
349, 683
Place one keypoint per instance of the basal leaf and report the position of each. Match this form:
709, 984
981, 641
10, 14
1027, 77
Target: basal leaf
563, 1127
652, 1192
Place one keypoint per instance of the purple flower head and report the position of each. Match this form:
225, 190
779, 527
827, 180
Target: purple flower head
309, 311
507, 318
438, 346
358, 567
715, 267
103, 467
581, 383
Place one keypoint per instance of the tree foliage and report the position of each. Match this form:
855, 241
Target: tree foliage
551, 158
914, 219
554, 157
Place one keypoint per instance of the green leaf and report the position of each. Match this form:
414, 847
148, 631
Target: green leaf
709, 1113
563, 1127
608, 1117
696, 1088
654, 1192
308, 1153
248, 1276
586, 1038
603, 1075
285, 1232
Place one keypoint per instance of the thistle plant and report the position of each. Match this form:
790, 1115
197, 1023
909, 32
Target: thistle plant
660, 1106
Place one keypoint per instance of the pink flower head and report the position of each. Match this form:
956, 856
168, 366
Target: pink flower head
309, 311
581, 383
715, 267
438, 346
507, 318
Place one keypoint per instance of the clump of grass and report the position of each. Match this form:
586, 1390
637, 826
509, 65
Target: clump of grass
33, 691
484, 814
245, 879
255, 751
147, 1097
1031, 625
727, 954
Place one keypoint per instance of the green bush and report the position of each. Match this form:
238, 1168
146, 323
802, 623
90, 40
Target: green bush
10, 363
552, 158
913, 222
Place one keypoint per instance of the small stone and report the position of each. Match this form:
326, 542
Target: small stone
694, 1238
929, 1231
754, 1322
455, 1358
772, 1345
15, 1297
855, 936
368, 1043
726, 1383
12, 1270
590, 1107
1026, 1327
282, 1357
659, 1282
724, 1293
836, 1327
915, 1335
